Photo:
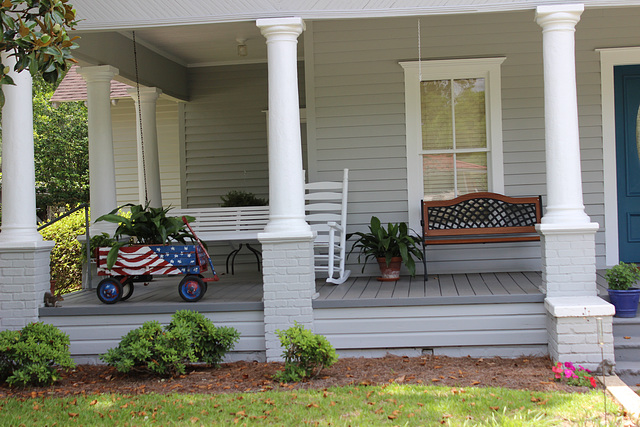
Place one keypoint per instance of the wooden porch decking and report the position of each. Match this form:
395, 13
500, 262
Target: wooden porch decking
244, 292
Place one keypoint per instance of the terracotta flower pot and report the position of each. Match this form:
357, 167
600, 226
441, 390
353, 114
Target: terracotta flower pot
390, 273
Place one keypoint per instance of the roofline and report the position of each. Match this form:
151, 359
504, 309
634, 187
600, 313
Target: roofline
348, 14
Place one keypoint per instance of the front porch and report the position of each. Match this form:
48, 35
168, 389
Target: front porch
455, 314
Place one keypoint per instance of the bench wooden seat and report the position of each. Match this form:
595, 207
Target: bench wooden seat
479, 218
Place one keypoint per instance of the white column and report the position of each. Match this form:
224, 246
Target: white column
573, 308
286, 179
564, 182
287, 243
102, 175
19, 221
149, 183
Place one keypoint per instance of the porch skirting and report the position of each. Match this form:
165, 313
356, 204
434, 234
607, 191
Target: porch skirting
506, 325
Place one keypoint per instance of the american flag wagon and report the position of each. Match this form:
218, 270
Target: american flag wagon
138, 262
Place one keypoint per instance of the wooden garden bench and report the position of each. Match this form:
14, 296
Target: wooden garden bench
479, 218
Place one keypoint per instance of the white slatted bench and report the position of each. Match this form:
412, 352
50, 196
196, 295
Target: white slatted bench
237, 224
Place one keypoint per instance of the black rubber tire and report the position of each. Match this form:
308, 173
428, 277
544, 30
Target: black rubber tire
127, 289
192, 288
109, 290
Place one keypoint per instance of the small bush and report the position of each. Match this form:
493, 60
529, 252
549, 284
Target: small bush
236, 198
189, 338
622, 276
66, 255
210, 343
33, 354
305, 354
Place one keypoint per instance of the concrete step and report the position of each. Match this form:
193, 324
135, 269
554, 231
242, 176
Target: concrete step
629, 372
627, 349
626, 326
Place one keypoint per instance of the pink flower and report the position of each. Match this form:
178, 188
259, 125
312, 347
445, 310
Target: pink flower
569, 365
557, 370
568, 373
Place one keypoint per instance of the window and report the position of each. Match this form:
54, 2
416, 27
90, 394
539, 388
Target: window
454, 129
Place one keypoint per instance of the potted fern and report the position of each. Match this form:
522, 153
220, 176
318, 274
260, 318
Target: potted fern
391, 247
622, 294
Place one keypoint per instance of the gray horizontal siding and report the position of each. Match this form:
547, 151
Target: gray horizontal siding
126, 159
357, 105
226, 133
93, 335
433, 326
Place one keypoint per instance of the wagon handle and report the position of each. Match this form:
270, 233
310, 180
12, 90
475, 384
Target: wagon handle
213, 270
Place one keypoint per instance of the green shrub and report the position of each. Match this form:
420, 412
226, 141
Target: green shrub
189, 338
237, 198
210, 343
305, 354
66, 255
33, 354
622, 276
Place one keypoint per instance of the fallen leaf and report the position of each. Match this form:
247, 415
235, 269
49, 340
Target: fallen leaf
475, 383
93, 402
313, 405
73, 414
627, 338
435, 380
494, 408
400, 379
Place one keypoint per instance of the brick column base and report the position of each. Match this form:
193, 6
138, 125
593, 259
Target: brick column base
568, 259
289, 287
24, 278
572, 329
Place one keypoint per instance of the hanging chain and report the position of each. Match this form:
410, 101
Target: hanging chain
144, 168
419, 53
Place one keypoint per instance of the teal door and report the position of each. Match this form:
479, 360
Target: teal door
627, 103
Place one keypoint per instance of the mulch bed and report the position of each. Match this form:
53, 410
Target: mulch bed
530, 373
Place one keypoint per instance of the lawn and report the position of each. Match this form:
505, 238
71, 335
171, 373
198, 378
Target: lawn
392, 404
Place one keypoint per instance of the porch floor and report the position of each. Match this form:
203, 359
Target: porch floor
244, 292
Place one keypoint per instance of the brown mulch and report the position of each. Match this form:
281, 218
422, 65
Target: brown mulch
531, 373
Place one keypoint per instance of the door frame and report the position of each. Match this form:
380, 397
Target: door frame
609, 58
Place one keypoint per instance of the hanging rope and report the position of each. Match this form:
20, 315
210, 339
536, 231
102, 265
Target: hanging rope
144, 168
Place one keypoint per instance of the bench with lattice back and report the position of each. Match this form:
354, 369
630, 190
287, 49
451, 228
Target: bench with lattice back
479, 218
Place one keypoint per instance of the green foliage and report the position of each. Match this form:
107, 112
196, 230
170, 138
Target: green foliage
36, 33
236, 198
149, 226
210, 343
66, 256
394, 241
622, 276
102, 240
60, 149
189, 338
32, 355
305, 354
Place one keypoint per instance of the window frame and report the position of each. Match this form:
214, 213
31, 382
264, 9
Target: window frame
487, 68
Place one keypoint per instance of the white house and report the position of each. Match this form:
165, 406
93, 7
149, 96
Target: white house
347, 87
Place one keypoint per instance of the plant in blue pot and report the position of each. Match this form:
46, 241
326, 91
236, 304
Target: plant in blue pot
622, 294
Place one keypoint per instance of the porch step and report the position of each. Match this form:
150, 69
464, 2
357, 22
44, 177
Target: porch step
627, 351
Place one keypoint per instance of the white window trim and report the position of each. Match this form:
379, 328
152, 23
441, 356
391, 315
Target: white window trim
487, 68
608, 59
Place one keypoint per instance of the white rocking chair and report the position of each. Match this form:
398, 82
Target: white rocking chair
326, 213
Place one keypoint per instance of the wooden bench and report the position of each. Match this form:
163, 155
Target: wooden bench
479, 218
237, 224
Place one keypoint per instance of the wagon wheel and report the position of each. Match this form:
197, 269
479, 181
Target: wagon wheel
127, 288
192, 288
109, 290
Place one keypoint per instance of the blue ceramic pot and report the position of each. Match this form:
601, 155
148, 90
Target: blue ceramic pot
625, 302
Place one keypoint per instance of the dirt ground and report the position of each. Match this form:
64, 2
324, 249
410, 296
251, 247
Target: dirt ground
533, 373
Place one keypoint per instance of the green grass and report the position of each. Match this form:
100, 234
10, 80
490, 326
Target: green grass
393, 405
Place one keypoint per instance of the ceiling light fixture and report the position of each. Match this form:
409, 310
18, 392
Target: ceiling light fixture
242, 47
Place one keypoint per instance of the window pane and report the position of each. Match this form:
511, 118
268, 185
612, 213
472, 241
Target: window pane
472, 172
470, 118
437, 123
438, 176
